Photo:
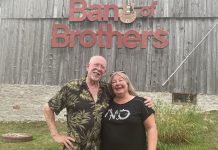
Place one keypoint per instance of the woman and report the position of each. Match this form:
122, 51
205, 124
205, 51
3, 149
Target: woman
127, 124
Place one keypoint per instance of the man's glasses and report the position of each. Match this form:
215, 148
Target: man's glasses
115, 72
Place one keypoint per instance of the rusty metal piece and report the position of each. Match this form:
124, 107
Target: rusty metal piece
16, 137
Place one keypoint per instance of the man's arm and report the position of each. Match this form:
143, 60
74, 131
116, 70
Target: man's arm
50, 120
148, 102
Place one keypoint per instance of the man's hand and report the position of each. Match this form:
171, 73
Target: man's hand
148, 102
64, 140
50, 120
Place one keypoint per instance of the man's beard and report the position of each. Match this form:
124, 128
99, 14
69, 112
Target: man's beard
96, 80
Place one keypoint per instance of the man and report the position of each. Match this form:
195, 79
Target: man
85, 100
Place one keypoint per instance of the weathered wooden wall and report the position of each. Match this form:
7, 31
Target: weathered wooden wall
26, 56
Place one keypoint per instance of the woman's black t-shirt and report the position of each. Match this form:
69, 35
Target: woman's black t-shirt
122, 125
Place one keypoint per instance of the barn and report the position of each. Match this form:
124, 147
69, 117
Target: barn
165, 46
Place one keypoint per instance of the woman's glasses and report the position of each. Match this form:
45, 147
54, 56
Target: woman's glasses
115, 72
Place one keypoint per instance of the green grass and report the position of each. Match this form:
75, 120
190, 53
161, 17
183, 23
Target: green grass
180, 129
39, 130
185, 128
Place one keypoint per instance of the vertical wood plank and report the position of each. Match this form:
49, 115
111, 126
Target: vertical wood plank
216, 53
210, 62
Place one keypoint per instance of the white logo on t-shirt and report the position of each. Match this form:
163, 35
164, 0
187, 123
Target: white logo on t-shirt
118, 114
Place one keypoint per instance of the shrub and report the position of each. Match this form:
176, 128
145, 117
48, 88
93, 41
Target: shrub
178, 124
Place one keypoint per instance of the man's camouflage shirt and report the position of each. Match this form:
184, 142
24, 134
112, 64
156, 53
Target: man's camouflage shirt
83, 113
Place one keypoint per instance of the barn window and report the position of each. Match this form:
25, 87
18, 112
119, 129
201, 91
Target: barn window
184, 98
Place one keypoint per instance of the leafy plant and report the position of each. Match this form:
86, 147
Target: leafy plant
179, 124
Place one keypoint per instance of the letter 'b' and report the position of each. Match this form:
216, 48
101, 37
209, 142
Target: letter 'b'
77, 11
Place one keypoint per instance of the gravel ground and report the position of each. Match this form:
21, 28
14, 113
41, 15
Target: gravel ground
25, 102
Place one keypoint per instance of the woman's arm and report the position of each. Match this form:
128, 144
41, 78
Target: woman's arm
151, 130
